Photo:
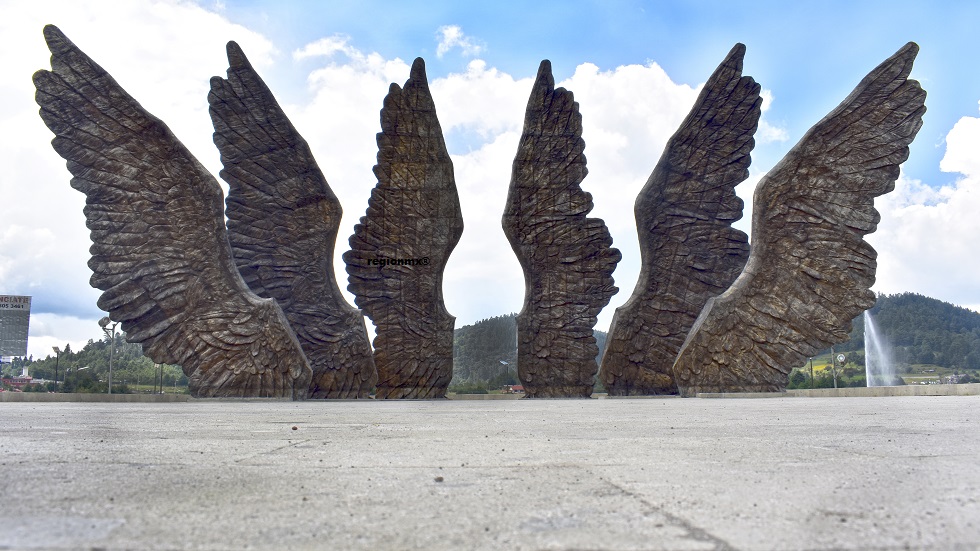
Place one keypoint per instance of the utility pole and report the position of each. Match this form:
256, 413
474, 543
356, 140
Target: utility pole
833, 365
57, 359
110, 334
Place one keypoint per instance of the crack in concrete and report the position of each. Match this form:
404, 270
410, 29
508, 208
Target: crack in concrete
695, 533
273, 450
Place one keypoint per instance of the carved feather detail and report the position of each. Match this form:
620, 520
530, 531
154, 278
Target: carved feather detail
567, 257
160, 253
400, 247
689, 250
810, 271
282, 223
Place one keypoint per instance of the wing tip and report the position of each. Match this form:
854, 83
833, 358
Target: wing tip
416, 85
236, 56
418, 70
901, 60
909, 49
56, 39
545, 79
734, 60
51, 31
738, 50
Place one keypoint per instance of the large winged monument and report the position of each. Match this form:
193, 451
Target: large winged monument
808, 272
254, 308
283, 220
567, 257
400, 247
161, 253
689, 250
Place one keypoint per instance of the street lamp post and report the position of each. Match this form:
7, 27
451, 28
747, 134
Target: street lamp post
57, 359
506, 366
833, 365
109, 328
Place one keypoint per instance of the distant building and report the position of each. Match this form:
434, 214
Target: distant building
19, 382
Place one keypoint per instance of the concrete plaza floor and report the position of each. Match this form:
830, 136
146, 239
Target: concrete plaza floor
671, 473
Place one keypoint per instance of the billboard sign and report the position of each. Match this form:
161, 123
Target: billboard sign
15, 319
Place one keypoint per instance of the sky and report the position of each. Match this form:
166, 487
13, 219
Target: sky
635, 68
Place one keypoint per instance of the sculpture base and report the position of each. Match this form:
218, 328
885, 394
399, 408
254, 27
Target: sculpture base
559, 392
409, 393
657, 391
693, 391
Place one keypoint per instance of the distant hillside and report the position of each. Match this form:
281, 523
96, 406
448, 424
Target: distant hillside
923, 330
479, 349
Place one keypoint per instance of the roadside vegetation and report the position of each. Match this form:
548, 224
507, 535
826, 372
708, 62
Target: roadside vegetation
87, 371
931, 342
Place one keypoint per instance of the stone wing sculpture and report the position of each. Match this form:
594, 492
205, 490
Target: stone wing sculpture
810, 270
567, 257
282, 223
689, 250
400, 248
160, 252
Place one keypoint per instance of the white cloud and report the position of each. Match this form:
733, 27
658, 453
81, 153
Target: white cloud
327, 47
452, 36
341, 122
481, 100
48, 330
926, 238
483, 277
163, 53
961, 148
767, 132
628, 114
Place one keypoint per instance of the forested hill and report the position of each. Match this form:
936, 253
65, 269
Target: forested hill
920, 330
923, 330
480, 349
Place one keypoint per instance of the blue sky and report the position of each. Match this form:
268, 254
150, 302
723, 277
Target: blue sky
810, 53
634, 67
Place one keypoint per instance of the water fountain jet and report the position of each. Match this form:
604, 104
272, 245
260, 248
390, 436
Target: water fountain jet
878, 367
